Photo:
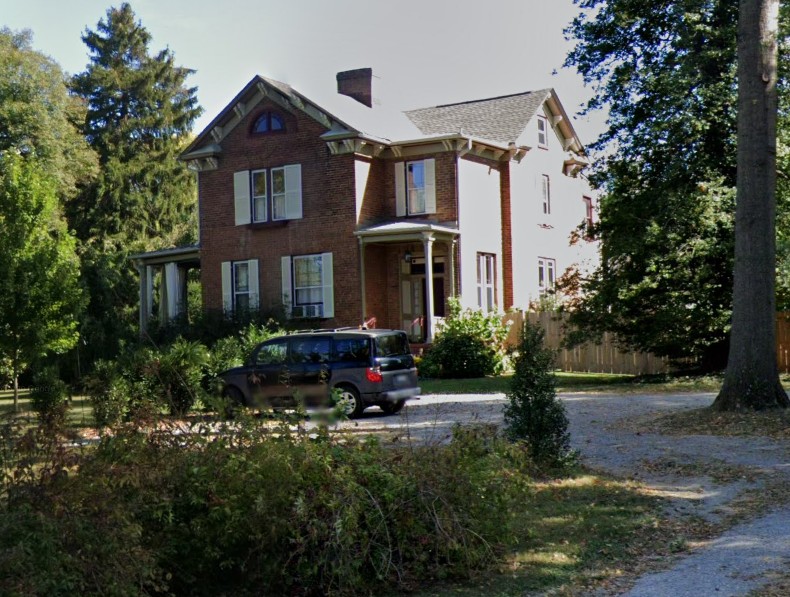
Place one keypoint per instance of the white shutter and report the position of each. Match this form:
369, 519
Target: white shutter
328, 283
286, 284
400, 189
252, 268
227, 288
293, 192
430, 185
241, 197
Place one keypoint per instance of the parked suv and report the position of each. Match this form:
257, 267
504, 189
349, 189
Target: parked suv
367, 367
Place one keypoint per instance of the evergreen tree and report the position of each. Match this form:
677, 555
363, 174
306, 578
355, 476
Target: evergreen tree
40, 292
666, 69
140, 114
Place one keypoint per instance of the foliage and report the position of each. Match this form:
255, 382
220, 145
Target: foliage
38, 116
251, 511
533, 414
667, 77
108, 391
139, 117
470, 343
49, 397
40, 294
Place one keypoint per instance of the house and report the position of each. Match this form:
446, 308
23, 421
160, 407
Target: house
341, 222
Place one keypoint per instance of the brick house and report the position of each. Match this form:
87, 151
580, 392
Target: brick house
341, 223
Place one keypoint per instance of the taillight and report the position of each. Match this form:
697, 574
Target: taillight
373, 374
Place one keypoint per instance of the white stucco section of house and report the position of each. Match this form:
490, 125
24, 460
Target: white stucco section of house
480, 218
539, 235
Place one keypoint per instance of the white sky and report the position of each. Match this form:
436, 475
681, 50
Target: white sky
426, 52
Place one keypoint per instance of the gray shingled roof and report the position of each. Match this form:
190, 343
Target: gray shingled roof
501, 119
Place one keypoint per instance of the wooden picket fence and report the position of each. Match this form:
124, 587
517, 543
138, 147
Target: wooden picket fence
605, 357
783, 341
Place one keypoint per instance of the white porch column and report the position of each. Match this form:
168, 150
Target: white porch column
427, 242
145, 296
172, 291
362, 279
451, 254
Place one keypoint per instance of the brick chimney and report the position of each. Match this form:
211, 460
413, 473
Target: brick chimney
357, 84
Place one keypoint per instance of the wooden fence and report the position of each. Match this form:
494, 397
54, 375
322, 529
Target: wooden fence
783, 341
605, 357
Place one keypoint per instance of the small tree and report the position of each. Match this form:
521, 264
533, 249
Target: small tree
533, 414
40, 295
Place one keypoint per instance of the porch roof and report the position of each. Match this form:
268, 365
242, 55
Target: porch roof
189, 253
405, 231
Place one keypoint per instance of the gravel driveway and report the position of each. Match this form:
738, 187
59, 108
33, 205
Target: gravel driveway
704, 476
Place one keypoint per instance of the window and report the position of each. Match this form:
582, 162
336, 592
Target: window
543, 132
486, 277
268, 122
272, 353
352, 350
546, 274
307, 285
240, 285
310, 350
546, 194
588, 212
415, 187
273, 194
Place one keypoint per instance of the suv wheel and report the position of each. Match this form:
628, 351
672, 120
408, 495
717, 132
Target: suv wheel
390, 408
351, 401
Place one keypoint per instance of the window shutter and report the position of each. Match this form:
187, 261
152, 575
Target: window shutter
254, 286
286, 284
430, 185
227, 288
400, 189
327, 283
241, 197
293, 192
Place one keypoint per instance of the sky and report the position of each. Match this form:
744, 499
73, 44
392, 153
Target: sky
422, 52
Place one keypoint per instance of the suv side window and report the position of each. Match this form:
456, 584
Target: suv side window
310, 350
392, 345
272, 353
352, 350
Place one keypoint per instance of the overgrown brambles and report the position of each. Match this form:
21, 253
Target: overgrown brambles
534, 415
252, 510
470, 343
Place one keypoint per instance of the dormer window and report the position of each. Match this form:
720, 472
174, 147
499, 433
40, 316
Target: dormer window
268, 122
543, 132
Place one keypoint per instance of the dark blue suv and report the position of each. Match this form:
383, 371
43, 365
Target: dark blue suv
363, 367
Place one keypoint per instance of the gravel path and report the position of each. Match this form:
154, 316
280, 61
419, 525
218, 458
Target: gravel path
701, 476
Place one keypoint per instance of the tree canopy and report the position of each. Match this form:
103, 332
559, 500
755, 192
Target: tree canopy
667, 74
40, 291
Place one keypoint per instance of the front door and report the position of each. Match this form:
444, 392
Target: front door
412, 307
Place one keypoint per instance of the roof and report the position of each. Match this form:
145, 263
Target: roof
502, 119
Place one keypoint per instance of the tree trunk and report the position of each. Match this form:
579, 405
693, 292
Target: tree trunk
752, 378
16, 391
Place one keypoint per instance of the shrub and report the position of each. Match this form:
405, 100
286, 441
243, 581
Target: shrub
470, 343
108, 392
49, 396
178, 373
533, 414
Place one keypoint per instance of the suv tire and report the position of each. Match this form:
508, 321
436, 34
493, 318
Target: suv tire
353, 403
391, 408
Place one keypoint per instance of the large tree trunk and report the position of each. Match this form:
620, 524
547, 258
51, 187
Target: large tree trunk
752, 378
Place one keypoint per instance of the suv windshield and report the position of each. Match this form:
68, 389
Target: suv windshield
392, 345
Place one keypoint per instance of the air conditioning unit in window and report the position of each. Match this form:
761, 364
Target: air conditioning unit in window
307, 311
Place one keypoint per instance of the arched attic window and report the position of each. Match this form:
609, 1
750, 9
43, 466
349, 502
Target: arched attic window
269, 122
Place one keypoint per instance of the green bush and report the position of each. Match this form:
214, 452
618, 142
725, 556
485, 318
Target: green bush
470, 343
49, 396
248, 511
108, 392
533, 414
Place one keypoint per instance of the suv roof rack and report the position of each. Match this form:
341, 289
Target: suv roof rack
349, 328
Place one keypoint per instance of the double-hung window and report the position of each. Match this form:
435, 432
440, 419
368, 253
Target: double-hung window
307, 285
268, 195
240, 285
547, 268
415, 187
543, 132
486, 278
545, 189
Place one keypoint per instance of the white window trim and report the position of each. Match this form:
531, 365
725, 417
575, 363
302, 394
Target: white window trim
327, 306
228, 272
543, 131
547, 274
545, 192
244, 199
402, 207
